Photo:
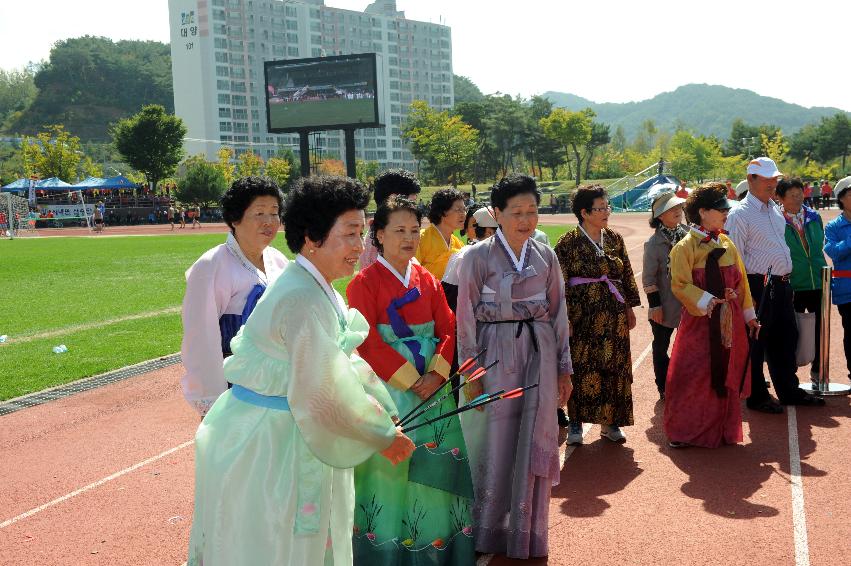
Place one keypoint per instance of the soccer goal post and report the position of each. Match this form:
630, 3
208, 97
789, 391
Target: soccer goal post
14, 216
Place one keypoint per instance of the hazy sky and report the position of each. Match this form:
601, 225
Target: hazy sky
606, 51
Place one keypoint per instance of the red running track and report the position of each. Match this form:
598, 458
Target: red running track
105, 477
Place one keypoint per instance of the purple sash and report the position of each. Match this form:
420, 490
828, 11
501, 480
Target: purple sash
574, 281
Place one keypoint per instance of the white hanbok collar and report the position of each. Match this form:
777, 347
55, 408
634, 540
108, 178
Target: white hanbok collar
236, 251
329, 291
600, 249
406, 280
518, 263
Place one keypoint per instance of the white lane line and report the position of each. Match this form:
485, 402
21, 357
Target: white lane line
91, 486
485, 559
642, 357
799, 518
90, 325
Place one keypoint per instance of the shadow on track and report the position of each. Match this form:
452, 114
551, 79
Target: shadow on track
726, 478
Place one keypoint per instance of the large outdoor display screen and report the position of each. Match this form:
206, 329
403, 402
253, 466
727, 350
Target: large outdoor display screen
323, 93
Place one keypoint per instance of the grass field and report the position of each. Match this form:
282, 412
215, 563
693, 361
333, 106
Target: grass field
321, 113
113, 301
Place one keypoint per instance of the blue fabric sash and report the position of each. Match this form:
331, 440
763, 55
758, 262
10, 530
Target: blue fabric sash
403, 331
253, 398
229, 324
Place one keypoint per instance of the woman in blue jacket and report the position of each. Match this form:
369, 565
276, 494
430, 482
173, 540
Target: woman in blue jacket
837, 245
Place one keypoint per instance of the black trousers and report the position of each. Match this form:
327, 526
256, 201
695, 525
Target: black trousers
777, 342
810, 301
661, 360
845, 313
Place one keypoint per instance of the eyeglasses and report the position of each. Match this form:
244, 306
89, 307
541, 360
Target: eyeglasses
459, 209
601, 209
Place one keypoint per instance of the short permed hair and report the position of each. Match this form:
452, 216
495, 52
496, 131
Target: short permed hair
704, 196
584, 197
784, 185
394, 181
314, 205
382, 216
512, 185
242, 193
441, 202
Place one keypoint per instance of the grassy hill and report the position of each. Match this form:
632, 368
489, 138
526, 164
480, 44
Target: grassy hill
706, 109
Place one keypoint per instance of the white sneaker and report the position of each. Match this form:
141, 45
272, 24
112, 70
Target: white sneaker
613, 433
574, 435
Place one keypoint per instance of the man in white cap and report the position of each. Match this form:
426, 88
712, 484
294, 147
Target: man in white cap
757, 227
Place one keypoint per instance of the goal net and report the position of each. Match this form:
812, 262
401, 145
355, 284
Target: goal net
15, 218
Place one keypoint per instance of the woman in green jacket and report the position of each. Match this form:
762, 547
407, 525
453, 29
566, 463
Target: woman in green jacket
805, 238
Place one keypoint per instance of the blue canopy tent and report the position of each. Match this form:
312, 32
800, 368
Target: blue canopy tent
639, 198
53, 184
117, 182
89, 183
19, 185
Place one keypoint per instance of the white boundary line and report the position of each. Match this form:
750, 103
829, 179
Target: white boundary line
799, 518
586, 428
91, 486
90, 325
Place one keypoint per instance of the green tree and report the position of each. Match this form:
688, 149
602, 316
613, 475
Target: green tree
367, 171
803, 144
543, 150
53, 153
225, 164
693, 158
11, 163
443, 141
619, 140
507, 127
201, 184
488, 158
835, 138
249, 164
775, 146
645, 139
571, 130
599, 137
746, 139
151, 142
295, 167
17, 92
278, 169
466, 90
89, 82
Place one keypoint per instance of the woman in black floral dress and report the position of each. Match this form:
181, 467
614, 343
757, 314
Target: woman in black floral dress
601, 294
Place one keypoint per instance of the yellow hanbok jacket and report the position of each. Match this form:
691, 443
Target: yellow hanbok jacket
433, 253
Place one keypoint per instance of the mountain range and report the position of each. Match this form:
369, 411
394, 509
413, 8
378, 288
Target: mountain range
702, 108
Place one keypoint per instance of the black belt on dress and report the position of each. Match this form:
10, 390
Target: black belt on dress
520, 324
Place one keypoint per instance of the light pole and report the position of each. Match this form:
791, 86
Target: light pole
749, 144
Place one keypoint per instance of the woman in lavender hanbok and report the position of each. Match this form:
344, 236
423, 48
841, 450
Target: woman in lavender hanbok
511, 301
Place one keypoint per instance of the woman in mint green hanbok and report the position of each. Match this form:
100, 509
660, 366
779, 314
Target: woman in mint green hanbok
419, 511
274, 483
